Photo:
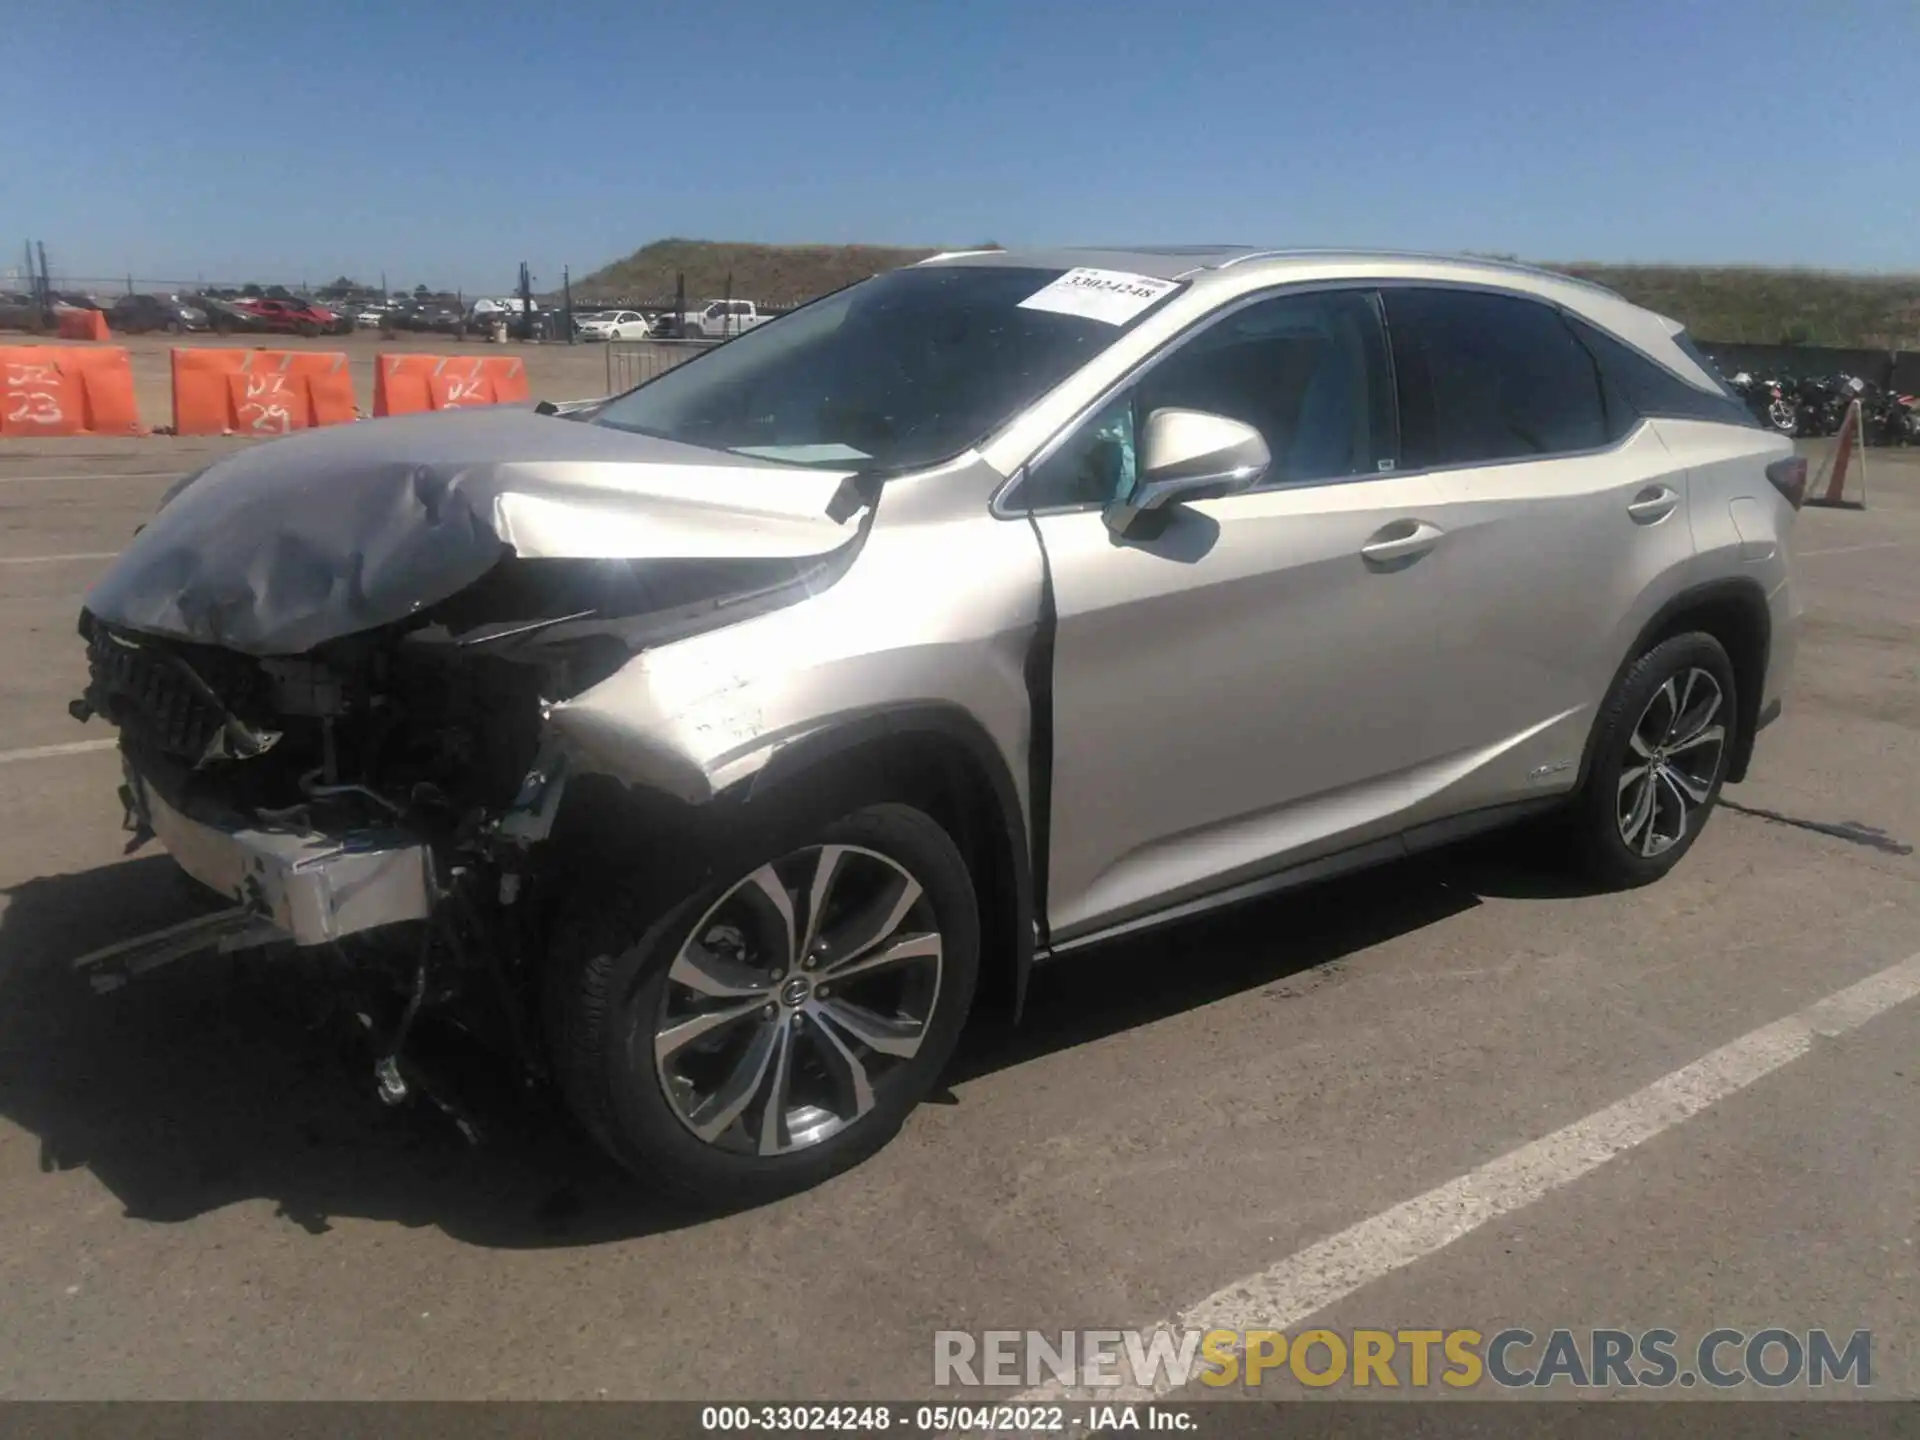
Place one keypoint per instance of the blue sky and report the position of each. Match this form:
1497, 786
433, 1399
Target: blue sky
447, 140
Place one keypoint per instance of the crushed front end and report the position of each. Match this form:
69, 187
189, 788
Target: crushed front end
354, 677
386, 806
376, 804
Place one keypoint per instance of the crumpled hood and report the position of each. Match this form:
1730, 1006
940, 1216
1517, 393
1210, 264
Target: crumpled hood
282, 546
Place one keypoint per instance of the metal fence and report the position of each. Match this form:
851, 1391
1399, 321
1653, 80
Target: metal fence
634, 362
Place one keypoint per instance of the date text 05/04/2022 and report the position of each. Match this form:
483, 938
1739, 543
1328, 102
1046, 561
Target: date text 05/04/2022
943, 1419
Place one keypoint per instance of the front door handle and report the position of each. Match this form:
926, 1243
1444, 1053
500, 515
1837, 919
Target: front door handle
1653, 504
1402, 540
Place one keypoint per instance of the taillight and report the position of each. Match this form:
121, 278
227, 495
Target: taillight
1789, 477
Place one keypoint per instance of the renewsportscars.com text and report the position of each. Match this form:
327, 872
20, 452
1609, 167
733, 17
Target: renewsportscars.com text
1512, 1358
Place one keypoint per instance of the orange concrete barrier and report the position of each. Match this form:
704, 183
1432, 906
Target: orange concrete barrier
57, 390
409, 384
83, 325
260, 392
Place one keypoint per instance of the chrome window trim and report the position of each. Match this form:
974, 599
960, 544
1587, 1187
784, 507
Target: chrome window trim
1000, 508
1171, 346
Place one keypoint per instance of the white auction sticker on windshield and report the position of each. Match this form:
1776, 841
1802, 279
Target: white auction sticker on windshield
1111, 296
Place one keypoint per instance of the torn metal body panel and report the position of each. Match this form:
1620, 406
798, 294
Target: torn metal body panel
926, 617
226, 931
313, 887
277, 549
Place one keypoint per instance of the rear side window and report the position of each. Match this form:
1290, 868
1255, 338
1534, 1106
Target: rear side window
1639, 388
1699, 357
1489, 377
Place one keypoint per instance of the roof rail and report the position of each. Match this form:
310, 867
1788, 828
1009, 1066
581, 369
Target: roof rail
1459, 258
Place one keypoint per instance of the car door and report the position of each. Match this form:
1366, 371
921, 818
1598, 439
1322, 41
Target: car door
1560, 514
1247, 688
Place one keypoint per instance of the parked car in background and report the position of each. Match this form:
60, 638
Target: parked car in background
291, 317
995, 608
144, 314
371, 316
426, 317
21, 312
718, 319
612, 325
227, 317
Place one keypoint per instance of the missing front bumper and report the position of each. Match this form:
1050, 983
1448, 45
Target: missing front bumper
314, 888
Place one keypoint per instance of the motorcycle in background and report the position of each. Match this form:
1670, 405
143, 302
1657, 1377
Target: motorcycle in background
1892, 419
1771, 402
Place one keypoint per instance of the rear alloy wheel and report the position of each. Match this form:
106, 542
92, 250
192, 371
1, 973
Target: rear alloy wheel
1674, 757
1661, 747
779, 1027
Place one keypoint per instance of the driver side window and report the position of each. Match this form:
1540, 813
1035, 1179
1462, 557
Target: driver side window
1309, 372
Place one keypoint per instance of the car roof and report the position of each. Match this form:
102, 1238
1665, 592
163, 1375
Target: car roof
1196, 262
1215, 273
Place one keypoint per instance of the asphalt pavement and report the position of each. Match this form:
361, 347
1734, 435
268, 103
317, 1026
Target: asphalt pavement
201, 1198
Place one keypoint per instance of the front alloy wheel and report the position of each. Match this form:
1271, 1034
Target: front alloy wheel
797, 999
755, 1037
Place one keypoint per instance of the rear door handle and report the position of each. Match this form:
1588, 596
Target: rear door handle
1402, 540
1653, 504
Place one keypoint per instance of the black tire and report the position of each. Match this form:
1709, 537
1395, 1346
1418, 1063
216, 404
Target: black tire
1604, 807
608, 981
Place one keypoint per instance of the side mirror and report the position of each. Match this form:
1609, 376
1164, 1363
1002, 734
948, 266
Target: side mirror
1187, 455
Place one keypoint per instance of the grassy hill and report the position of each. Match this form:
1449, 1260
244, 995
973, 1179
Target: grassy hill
1769, 307
769, 274
1729, 303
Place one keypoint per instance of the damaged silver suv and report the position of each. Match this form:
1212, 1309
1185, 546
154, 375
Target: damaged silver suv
722, 745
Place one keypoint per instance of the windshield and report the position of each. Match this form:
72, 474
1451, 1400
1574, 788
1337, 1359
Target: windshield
895, 373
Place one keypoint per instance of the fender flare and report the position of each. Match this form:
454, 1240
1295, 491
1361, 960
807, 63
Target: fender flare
947, 722
1740, 591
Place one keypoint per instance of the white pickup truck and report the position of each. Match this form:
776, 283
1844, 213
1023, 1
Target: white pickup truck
721, 318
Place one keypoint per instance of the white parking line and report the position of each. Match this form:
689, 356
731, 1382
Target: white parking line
51, 752
6, 479
1852, 549
89, 475
1284, 1294
58, 559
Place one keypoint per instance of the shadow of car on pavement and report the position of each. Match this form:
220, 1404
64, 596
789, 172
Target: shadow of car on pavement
203, 1084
